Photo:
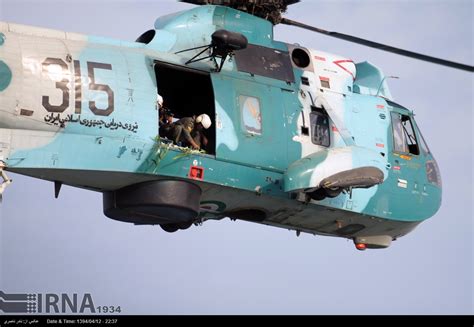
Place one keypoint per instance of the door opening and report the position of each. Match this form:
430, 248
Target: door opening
187, 93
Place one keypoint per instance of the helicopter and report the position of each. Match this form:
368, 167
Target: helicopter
286, 146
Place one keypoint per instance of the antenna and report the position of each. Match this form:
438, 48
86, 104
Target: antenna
223, 45
383, 80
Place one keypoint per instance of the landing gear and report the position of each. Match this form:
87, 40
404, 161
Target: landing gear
333, 192
322, 193
171, 228
332, 186
184, 226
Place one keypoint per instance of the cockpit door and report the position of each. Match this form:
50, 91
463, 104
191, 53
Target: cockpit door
406, 162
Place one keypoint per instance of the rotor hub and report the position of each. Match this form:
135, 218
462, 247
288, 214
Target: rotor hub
270, 10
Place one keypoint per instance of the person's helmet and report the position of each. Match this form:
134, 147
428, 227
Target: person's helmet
205, 120
160, 100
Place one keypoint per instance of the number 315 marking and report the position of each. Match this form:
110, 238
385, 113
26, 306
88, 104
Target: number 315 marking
63, 86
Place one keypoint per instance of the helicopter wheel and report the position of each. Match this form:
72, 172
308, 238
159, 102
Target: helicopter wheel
318, 195
332, 192
322, 193
184, 226
170, 228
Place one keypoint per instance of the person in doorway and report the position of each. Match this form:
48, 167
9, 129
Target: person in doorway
189, 131
165, 115
159, 101
166, 122
165, 118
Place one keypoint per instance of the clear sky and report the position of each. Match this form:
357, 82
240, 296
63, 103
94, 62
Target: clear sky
67, 245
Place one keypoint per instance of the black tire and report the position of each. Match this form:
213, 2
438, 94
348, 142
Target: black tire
184, 226
332, 192
318, 195
169, 228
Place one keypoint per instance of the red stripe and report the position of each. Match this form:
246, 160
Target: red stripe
380, 145
324, 78
319, 58
380, 106
339, 62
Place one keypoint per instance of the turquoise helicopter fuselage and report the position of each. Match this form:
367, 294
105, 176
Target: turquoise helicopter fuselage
81, 110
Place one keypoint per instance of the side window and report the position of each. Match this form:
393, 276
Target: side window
404, 138
251, 116
320, 128
423, 144
399, 143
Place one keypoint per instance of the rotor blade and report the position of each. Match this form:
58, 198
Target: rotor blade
240, 2
380, 46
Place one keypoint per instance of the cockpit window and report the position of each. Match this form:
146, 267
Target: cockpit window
404, 138
267, 62
423, 144
432, 173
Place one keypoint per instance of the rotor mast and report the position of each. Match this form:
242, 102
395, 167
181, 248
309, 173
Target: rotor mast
270, 10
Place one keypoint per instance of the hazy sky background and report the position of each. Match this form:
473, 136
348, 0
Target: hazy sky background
68, 245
